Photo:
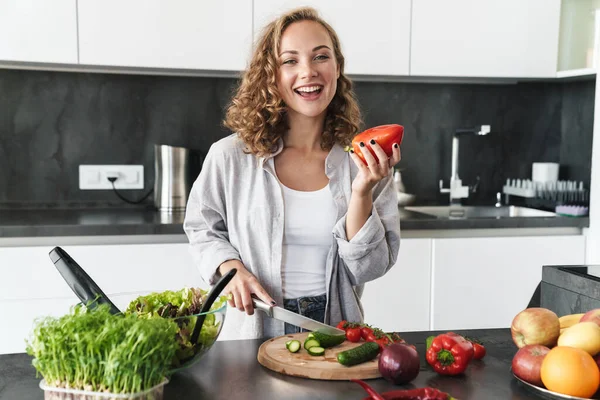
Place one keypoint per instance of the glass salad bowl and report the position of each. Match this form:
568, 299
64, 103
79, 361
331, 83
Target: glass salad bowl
183, 307
190, 353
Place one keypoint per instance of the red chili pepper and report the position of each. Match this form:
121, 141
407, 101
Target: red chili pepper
449, 355
372, 392
410, 394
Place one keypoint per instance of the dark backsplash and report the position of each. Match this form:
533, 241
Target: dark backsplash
51, 122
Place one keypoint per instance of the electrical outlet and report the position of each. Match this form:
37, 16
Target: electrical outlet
95, 177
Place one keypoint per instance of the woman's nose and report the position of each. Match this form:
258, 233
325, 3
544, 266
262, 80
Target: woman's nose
308, 70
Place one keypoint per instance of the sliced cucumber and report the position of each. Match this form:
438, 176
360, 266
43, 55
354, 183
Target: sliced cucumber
328, 340
293, 345
308, 343
316, 351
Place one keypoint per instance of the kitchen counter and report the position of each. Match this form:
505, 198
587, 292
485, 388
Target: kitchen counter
230, 371
23, 223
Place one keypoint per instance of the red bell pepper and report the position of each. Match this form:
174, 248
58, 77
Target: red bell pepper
449, 355
385, 135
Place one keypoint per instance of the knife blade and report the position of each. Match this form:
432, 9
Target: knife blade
290, 317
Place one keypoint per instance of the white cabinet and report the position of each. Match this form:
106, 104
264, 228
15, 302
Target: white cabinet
475, 38
399, 301
577, 34
38, 31
32, 287
186, 34
485, 282
374, 35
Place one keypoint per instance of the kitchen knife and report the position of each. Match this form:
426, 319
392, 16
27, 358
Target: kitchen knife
79, 281
290, 317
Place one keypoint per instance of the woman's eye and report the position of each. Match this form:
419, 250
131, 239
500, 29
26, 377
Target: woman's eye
322, 57
289, 62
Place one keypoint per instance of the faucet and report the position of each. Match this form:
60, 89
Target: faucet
456, 190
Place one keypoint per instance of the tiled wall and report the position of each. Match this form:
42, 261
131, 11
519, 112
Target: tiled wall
51, 122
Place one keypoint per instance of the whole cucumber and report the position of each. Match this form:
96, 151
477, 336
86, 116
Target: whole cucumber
358, 355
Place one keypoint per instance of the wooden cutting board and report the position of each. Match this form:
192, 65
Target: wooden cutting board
273, 355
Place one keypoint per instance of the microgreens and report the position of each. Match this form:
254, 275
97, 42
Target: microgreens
95, 350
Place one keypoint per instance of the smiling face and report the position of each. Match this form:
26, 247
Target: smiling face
308, 71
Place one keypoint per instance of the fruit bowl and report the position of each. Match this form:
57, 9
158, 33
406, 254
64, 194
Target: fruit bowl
548, 394
190, 353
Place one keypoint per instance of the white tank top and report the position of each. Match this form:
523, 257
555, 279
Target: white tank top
307, 238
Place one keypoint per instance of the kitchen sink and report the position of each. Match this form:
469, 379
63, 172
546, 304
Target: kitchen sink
465, 212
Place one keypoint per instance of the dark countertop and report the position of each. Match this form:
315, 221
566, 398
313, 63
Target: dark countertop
230, 371
147, 221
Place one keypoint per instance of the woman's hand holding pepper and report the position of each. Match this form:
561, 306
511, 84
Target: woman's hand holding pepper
375, 170
242, 286
361, 200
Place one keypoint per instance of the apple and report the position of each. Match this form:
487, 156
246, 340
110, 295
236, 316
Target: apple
535, 325
592, 316
527, 363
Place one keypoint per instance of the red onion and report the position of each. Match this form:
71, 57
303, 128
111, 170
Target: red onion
399, 363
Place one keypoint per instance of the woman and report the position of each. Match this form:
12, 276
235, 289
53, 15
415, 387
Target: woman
305, 223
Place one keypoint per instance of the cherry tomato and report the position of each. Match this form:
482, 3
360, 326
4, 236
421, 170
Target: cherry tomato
382, 342
364, 332
478, 351
342, 324
371, 337
353, 334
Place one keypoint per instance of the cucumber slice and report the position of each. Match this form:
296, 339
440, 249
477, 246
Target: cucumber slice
293, 345
308, 343
316, 351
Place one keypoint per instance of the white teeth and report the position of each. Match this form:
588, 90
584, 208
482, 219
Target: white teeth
308, 89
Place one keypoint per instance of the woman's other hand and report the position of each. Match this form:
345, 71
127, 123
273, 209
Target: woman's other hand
242, 286
376, 169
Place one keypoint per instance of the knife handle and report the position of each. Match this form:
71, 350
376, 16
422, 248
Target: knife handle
262, 306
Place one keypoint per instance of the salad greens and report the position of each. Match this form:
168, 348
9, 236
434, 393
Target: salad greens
182, 306
91, 349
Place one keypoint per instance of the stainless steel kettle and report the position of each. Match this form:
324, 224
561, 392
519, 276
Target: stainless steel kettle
172, 181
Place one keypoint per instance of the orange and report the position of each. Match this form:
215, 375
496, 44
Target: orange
570, 371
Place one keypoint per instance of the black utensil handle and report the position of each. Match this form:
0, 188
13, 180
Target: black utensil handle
79, 281
210, 299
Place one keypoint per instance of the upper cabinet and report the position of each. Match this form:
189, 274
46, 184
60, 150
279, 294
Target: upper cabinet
579, 36
374, 35
485, 38
183, 34
38, 31
380, 38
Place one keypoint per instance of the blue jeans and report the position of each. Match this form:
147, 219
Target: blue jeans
312, 307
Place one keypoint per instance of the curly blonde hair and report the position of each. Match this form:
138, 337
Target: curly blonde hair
257, 111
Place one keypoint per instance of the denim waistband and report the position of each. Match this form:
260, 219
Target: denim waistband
312, 307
